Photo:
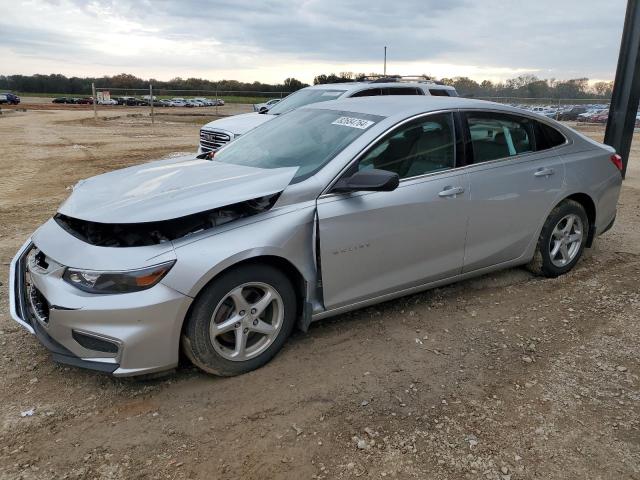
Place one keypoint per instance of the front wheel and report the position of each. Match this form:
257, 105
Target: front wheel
562, 240
240, 321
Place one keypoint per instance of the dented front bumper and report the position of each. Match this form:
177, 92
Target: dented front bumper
124, 334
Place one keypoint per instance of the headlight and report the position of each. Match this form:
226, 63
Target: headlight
93, 281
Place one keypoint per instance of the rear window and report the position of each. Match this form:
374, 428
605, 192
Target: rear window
439, 92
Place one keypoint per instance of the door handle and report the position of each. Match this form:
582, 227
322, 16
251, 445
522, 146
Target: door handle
544, 172
451, 191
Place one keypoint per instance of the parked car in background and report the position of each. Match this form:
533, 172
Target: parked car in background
546, 111
572, 113
601, 117
332, 207
178, 102
589, 115
60, 100
9, 98
263, 107
84, 101
218, 133
109, 101
132, 101
163, 103
205, 101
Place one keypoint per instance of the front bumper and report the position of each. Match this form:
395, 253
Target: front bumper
125, 334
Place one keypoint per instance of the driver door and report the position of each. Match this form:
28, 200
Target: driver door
375, 243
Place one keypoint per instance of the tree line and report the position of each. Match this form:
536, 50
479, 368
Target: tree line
524, 86
56, 83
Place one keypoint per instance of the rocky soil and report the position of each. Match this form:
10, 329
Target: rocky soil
503, 377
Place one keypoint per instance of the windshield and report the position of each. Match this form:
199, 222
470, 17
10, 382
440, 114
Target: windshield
304, 97
307, 139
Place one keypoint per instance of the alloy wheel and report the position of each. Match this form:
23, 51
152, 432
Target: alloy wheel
246, 321
566, 240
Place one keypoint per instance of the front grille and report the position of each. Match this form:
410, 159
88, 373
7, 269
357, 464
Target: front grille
211, 140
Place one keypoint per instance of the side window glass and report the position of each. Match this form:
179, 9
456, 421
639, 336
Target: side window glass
403, 91
438, 92
495, 136
416, 148
372, 92
547, 137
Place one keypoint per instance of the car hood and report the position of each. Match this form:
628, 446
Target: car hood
239, 124
168, 189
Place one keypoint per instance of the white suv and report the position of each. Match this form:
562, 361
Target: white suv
216, 134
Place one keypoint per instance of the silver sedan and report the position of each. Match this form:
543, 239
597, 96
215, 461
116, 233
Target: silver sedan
325, 209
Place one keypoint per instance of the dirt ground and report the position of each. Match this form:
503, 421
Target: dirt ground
503, 377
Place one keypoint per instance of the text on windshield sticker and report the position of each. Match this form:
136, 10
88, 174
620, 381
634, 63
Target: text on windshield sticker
353, 122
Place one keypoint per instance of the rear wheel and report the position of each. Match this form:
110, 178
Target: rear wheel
562, 240
240, 321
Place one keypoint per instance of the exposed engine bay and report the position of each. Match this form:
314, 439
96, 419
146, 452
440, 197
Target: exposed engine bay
152, 233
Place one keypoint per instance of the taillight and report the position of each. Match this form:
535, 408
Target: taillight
617, 161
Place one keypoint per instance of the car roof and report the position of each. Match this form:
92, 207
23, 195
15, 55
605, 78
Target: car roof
392, 105
360, 85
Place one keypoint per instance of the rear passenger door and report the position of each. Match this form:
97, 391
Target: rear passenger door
515, 178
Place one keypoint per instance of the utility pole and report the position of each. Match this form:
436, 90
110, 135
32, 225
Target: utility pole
95, 102
151, 102
216, 98
385, 61
626, 89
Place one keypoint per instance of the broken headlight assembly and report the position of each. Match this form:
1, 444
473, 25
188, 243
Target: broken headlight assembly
110, 282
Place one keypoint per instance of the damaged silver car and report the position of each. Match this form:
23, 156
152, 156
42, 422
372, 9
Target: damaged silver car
328, 208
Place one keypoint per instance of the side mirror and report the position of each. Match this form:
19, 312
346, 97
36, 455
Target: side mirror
372, 180
206, 155
263, 110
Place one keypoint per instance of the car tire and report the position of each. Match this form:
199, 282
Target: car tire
234, 327
562, 240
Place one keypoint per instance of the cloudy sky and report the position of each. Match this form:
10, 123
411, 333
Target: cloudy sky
269, 40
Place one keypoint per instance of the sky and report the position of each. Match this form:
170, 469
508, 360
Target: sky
270, 40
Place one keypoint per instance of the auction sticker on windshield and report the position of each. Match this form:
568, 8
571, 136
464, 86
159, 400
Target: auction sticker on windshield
353, 122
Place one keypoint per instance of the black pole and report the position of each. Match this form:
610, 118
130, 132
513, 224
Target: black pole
626, 89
